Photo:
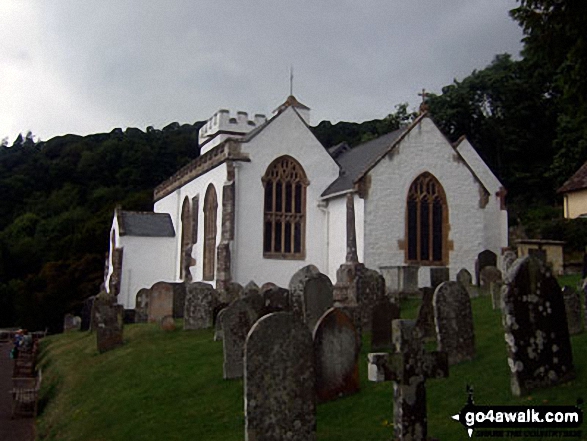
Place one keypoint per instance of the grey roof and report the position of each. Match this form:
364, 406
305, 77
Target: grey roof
138, 223
357, 160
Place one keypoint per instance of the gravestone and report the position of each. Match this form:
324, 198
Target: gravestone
233, 291
160, 301
370, 289
508, 258
200, 301
438, 275
465, 278
336, 353
179, 293
384, 312
317, 298
167, 323
251, 288
296, 289
266, 286
276, 300
491, 283
484, 258
71, 323
218, 332
237, 319
129, 316
86, 315
454, 322
408, 367
536, 329
142, 305
109, 325
425, 320
573, 310
400, 279
257, 303
279, 380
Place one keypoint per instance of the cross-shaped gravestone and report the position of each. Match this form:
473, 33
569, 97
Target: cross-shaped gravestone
408, 368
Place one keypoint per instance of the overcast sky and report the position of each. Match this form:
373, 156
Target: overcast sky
81, 66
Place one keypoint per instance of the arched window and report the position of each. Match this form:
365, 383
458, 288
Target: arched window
210, 214
186, 239
427, 222
284, 213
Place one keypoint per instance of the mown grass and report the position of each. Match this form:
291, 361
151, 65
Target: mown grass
169, 386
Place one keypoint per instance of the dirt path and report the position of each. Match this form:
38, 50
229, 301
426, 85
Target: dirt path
19, 429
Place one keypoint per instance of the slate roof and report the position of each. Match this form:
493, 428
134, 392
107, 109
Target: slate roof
354, 162
576, 182
147, 224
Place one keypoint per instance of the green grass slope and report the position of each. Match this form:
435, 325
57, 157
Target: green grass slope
168, 386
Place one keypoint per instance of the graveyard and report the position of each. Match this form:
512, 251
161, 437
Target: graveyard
170, 385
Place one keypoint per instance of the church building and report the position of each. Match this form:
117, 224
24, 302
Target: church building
265, 198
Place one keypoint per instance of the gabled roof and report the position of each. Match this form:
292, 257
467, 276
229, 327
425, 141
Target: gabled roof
147, 224
357, 161
576, 182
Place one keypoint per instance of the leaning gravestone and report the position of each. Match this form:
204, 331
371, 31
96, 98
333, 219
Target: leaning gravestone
276, 300
408, 367
142, 305
573, 310
454, 322
279, 379
109, 325
236, 321
336, 352
296, 289
317, 298
536, 330
439, 275
200, 301
384, 312
160, 301
425, 320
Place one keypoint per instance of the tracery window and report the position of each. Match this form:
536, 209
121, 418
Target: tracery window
284, 219
427, 221
210, 216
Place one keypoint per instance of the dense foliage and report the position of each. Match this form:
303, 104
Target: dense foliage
527, 118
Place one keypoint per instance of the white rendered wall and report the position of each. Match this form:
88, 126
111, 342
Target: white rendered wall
284, 135
172, 204
472, 229
113, 231
145, 261
337, 232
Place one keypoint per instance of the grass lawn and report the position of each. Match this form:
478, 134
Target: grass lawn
168, 386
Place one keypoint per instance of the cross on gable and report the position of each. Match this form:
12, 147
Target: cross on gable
423, 104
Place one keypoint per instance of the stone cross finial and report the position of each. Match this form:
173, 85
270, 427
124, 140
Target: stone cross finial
423, 104
351, 236
408, 367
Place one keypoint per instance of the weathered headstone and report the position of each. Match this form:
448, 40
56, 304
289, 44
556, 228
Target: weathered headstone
573, 310
317, 298
438, 275
233, 291
384, 312
109, 325
160, 301
237, 319
484, 258
179, 293
408, 367
536, 330
279, 380
425, 320
71, 323
400, 279
256, 302
251, 288
200, 301
336, 352
296, 289
276, 300
465, 278
266, 286
167, 323
142, 305
218, 332
86, 315
454, 322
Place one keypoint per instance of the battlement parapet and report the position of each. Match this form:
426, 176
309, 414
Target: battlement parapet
223, 124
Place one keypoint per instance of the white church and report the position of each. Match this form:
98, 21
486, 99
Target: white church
265, 198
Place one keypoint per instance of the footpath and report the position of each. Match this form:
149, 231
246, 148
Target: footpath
20, 428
